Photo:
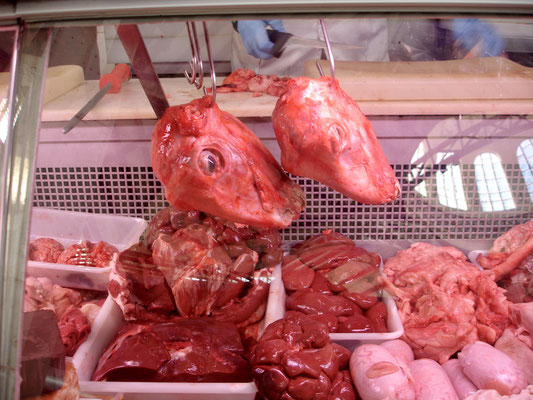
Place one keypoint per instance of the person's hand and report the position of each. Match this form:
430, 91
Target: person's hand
255, 38
477, 38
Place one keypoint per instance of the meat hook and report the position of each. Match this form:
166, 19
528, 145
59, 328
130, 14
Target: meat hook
330, 53
197, 67
211, 66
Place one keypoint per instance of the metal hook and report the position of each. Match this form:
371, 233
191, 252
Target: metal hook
199, 64
211, 65
196, 64
193, 62
330, 53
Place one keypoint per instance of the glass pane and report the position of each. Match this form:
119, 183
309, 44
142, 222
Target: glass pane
159, 206
492, 184
6, 51
9, 329
524, 154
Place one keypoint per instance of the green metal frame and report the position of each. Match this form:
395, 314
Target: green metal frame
40, 11
30, 62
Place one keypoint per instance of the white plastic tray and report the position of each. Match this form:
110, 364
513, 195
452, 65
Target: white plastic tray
472, 256
276, 307
68, 228
105, 326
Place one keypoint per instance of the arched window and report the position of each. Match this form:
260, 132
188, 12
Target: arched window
418, 171
524, 154
492, 185
450, 184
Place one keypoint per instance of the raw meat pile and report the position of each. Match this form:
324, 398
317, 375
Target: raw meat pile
328, 275
85, 253
138, 287
171, 348
511, 260
193, 265
235, 238
208, 160
75, 309
444, 301
323, 135
179, 350
295, 359
190, 265
245, 80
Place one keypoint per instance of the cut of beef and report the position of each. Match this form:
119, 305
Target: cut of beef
444, 301
180, 350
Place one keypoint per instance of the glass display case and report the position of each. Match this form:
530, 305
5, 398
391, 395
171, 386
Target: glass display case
277, 200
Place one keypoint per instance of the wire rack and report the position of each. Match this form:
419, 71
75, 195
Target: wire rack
419, 214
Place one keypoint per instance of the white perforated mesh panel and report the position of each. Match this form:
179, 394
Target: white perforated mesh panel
417, 215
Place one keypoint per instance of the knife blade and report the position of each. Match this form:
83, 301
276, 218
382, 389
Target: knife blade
133, 43
282, 39
109, 83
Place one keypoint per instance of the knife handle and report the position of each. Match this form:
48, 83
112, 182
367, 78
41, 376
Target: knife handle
279, 39
120, 73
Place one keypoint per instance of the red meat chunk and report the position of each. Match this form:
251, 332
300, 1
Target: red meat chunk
45, 250
181, 350
295, 359
74, 329
88, 254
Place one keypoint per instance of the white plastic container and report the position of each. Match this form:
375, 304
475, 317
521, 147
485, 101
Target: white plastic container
107, 324
68, 228
276, 310
472, 256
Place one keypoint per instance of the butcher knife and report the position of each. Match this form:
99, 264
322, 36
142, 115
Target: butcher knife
109, 83
282, 39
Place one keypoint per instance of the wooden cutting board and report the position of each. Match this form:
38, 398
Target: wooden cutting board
476, 86
131, 102
59, 80
493, 78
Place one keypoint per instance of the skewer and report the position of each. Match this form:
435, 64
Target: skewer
330, 53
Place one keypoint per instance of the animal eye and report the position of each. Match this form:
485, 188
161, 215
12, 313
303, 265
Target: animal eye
210, 161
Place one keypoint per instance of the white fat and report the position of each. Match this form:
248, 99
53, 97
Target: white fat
181, 353
315, 92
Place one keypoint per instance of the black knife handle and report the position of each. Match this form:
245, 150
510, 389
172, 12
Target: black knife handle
279, 39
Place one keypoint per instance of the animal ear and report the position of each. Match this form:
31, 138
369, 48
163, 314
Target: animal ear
336, 136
